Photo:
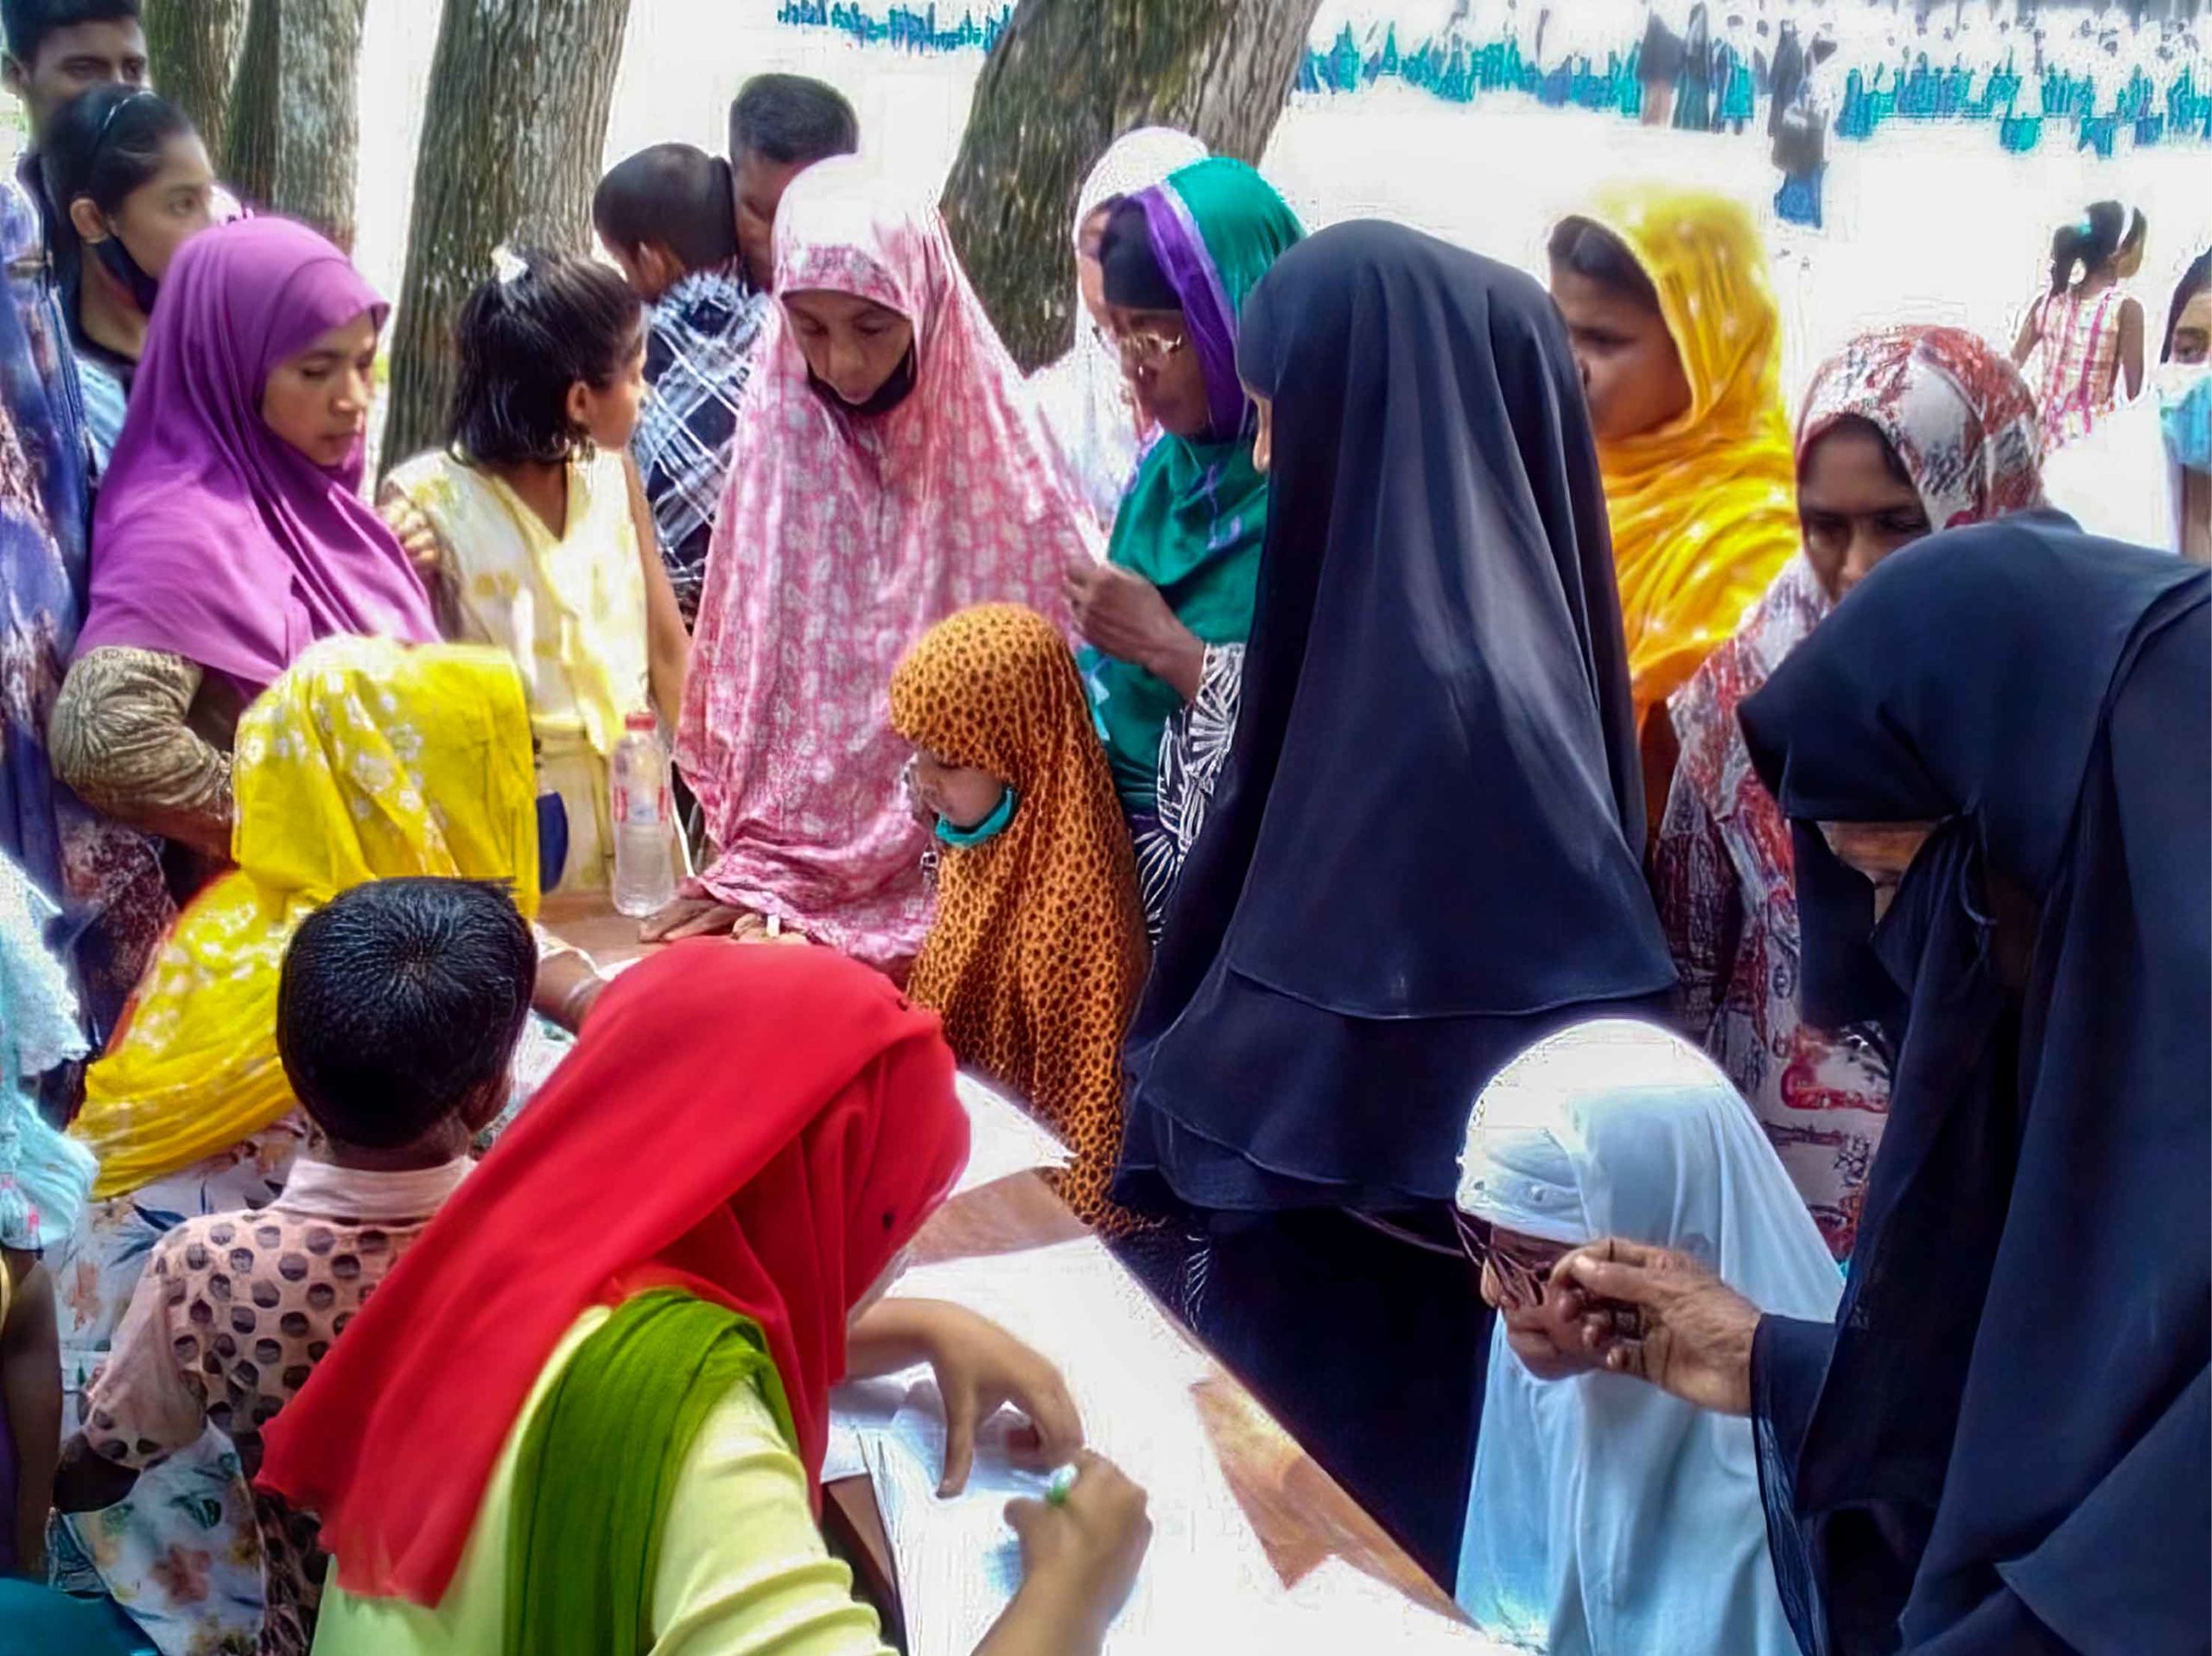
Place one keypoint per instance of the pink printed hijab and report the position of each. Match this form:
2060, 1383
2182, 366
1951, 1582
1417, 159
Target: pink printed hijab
214, 539
1958, 414
841, 539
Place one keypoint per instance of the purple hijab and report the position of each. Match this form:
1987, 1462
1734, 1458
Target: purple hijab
214, 539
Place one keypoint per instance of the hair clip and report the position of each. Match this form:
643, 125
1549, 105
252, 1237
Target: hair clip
107, 125
508, 266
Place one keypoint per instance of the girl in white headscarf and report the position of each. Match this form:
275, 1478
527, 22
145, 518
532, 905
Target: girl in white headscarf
1085, 401
1606, 1517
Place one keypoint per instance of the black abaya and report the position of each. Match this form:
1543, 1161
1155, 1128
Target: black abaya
2001, 1444
1424, 853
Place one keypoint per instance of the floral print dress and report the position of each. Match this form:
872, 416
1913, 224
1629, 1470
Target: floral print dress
182, 1554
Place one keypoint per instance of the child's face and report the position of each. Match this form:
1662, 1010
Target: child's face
650, 270
609, 412
962, 795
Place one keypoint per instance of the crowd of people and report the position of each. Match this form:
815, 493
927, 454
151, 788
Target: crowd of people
1634, 960
1714, 65
2104, 82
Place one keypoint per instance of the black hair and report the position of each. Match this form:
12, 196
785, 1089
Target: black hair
28, 22
400, 1002
674, 194
104, 143
2094, 241
2194, 281
524, 337
1133, 278
1594, 252
789, 119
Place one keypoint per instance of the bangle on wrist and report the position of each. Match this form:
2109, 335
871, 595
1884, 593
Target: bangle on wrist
572, 1012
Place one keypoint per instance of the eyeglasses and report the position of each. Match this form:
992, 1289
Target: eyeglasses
1145, 348
1523, 1274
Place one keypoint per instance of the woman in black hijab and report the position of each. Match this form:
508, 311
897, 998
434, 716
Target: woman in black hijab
2000, 1444
1424, 853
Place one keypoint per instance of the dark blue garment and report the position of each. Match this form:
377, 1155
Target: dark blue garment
1798, 200
2001, 1445
106, 881
1425, 847
552, 840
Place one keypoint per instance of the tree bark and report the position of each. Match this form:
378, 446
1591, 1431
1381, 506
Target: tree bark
1065, 79
511, 141
194, 47
293, 140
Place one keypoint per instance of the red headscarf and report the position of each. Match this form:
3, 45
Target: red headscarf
764, 1127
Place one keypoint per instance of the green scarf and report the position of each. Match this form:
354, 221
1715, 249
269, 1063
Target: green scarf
1193, 519
598, 1463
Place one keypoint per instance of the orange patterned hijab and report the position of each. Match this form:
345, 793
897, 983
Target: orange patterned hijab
1037, 951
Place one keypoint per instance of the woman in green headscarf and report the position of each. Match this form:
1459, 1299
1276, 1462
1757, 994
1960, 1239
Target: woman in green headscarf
1166, 616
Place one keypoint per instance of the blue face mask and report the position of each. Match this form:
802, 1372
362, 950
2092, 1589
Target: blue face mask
990, 828
2185, 417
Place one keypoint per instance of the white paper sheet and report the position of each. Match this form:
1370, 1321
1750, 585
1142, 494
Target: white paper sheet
1074, 1302
1003, 1138
1207, 1586
856, 1409
1203, 1581
958, 1563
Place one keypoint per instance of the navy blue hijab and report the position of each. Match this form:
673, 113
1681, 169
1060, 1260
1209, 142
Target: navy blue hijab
1426, 846
2001, 1445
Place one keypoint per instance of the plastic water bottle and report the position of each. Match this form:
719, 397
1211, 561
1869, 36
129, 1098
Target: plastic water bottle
645, 816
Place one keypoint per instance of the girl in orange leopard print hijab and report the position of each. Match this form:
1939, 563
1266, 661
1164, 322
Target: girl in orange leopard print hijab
1039, 948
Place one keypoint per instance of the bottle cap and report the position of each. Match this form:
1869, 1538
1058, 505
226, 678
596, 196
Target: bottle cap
641, 720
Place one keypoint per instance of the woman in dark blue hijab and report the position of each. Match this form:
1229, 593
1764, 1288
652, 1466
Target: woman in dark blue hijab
2000, 1445
1424, 853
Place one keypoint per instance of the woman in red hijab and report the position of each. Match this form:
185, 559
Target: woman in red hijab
587, 1411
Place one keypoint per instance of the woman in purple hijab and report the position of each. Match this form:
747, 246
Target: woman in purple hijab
231, 533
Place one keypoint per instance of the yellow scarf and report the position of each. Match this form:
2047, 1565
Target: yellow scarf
1704, 511
369, 759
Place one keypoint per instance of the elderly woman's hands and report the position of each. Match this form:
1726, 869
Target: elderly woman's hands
1547, 1336
1123, 616
1660, 1317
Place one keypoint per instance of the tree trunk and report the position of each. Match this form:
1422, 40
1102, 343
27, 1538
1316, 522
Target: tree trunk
1065, 79
194, 47
293, 141
512, 141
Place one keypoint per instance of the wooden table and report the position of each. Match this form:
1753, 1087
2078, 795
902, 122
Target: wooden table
1300, 1514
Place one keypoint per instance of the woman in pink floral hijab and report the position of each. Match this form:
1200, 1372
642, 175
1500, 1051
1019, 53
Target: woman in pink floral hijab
1906, 430
891, 470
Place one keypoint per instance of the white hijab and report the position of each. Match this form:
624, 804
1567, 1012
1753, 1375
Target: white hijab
1084, 399
1608, 1519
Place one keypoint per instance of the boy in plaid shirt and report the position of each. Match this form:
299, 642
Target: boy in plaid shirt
691, 232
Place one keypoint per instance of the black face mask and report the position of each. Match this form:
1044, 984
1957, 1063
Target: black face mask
891, 392
116, 259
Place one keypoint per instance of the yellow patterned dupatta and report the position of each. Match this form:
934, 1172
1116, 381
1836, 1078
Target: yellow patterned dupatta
1704, 511
370, 759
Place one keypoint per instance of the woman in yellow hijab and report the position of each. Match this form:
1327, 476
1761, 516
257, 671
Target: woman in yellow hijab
1673, 323
368, 758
